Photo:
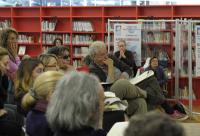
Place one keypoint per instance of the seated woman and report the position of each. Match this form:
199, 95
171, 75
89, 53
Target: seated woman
158, 71
162, 80
76, 106
62, 53
126, 56
49, 61
9, 126
37, 100
28, 70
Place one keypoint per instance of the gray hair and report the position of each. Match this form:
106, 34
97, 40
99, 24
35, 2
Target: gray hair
95, 46
74, 102
153, 124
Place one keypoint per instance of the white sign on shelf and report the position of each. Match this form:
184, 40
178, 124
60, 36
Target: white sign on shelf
197, 49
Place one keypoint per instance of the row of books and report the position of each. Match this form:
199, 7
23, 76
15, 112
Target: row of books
161, 53
77, 63
82, 26
82, 39
49, 25
156, 37
81, 51
49, 38
5, 24
155, 25
25, 38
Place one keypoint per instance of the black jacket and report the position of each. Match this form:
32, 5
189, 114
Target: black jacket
129, 60
3, 89
87, 131
95, 69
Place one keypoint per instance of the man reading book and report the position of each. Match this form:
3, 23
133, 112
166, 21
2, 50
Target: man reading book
109, 69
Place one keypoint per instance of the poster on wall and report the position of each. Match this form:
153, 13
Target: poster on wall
131, 33
197, 51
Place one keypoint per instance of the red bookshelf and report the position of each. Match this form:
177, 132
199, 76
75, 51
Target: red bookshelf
28, 21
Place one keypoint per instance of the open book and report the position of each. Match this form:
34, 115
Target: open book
141, 77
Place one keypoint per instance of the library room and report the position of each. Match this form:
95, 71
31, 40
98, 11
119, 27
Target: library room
99, 68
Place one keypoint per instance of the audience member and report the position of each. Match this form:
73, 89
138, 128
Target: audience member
4, 61
76, 107
37, 99
153, 124
28, 70
126, 56
62, 54
158, 71
49, 61
8, 40
58, 42
109, 69
8, 123
162, 80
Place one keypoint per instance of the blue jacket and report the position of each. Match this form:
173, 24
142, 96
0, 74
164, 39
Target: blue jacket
36, 123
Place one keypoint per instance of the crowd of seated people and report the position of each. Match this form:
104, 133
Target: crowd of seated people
51, 97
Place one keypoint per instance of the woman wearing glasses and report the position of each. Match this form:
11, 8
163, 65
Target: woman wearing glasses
62, 53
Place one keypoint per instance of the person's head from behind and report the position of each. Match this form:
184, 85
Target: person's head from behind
154, 62
77, 102
42, 89
27, 72
4, 60
57, 42
50, 62
153, 124
98, 52
122, 45
62, 54
8, 39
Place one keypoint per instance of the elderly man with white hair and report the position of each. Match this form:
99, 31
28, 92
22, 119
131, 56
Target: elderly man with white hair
111, 70
76, 107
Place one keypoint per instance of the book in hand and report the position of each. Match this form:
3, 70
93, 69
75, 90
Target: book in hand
22, 50
141, 77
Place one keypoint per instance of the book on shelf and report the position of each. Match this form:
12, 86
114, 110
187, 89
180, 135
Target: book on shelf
49, 25
49, 38
25, 38
5, 24
82, 39
22, 50
77, 63
82, 26
154, 25
81, 51
156, 37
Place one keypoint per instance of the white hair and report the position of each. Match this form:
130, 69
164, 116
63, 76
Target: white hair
95, 46
74, 102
